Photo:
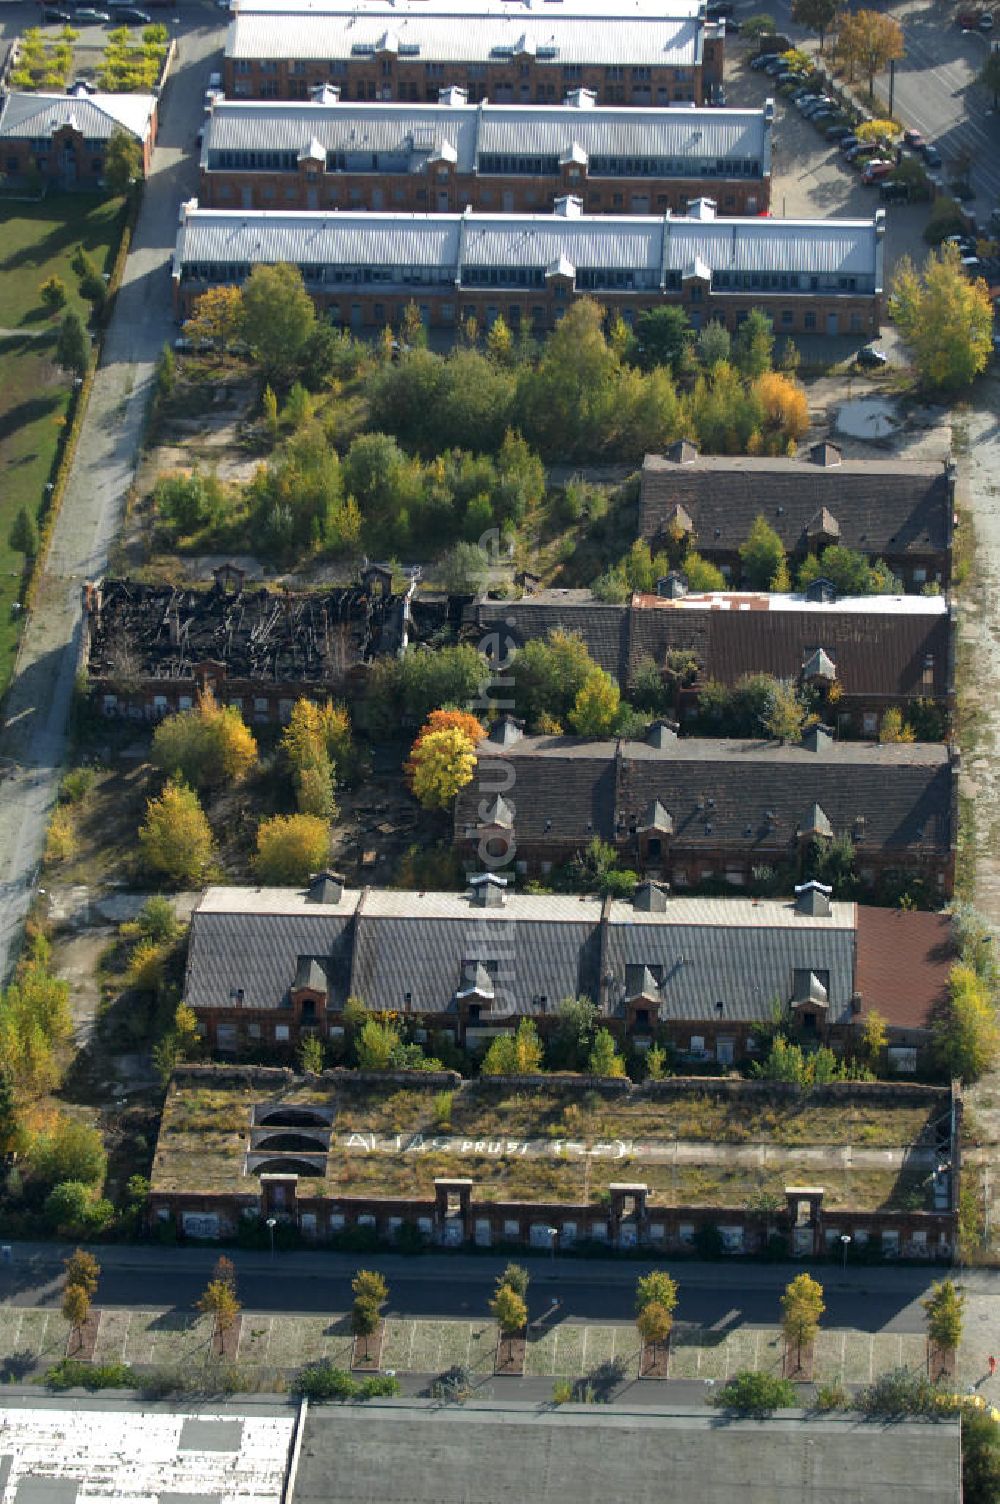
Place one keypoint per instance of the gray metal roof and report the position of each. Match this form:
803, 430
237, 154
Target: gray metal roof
595, 9
254, 945
95, 116
559, 39
413, 131
411, 951
745, 966
487, 1451
828, 247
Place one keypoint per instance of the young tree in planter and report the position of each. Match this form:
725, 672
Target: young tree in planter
516, 1278
219, 1300
370, 1294
655, 1303
511, 1313
654, 1323
802, 1306
944, 1307
73, 346
83, 1269
76, 1309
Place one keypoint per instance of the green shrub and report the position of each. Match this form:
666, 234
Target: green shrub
322, 1381
901, 1391
76, 784
753, 1393
832, 1397
70, 1373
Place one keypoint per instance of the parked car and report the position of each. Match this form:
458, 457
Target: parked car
57, 17
838, 132
762, 59
847, 142
968, 19
774, 67
827, 112
215, 80
92, 17
914, 140
871, 358
986, 21
875, 171
932, 156
895, 193
819, 102
966, 244
131, 13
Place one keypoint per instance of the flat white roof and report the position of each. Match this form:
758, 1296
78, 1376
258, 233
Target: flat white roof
845, 605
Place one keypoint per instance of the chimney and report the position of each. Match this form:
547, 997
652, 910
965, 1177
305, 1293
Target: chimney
818, 738
684, 452
672, 586
325, 887
662, 734
325, 94
453, 97
488, 890
651, 898
580, 99
702, 209
568, 207
857, 1002
827, 456
813, 899
506, 731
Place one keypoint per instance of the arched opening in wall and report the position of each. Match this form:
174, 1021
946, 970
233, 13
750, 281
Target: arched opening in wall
300, 1142
290, 1166
290, 1117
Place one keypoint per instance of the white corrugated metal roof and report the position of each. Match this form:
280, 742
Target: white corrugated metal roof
629, 40
540, 130
595, 9
628, 242
96, 116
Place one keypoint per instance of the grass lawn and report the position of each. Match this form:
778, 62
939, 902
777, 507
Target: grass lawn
37, 241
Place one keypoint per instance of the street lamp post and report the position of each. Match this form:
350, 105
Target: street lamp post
272, 1223
845, 1239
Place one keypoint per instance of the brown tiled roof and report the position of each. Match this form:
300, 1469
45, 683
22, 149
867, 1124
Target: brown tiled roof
876, 653
604, 628
882, 506
903, 964
722, 792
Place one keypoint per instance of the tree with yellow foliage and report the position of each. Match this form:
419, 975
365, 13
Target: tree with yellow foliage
445, 720
209, 744
946, 319
316, 741
216, 318
869, 40
290, 847
785, 405
596, 706
443, 762
176, 839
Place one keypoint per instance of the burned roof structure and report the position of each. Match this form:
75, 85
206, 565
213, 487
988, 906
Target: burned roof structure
142, 639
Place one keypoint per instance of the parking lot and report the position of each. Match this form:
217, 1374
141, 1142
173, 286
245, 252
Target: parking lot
810, 178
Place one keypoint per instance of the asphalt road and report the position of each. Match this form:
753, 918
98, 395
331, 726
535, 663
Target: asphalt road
713, 1295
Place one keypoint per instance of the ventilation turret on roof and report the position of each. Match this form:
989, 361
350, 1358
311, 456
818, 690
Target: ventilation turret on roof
662, 734
488, 890
651, 898
683, 452
656, 819
819, 665
326, 887
823, 528
499, 815
814, 823
809, 988
672, 586
827, 455
476, 982
506, 731
818, 738
813, 899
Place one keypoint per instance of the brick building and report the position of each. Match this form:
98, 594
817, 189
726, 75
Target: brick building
860, 655
515, 158
520, 57
898, 510
325, 1155
364, 269
149, 649
268, 965
62, 138
695, 809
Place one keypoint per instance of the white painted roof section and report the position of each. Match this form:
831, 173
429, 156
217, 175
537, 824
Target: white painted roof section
559, 39
595, 9
828, 247
226, 900
847, 605
97, 116
679, 135
735, 913
136, 1455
